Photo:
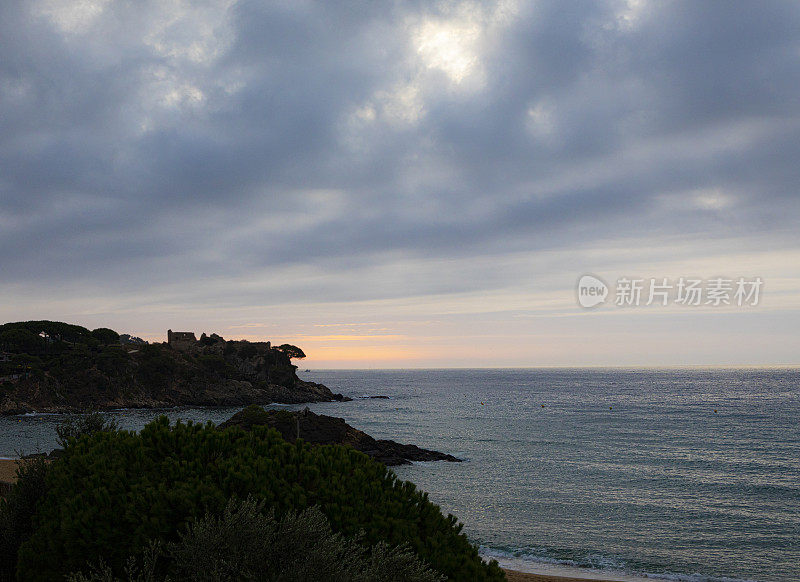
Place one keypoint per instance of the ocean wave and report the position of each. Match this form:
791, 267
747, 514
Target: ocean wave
41, 414
590, 566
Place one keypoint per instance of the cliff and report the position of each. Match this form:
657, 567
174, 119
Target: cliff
65, 368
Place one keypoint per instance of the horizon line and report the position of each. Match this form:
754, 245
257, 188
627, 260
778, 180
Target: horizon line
578, 367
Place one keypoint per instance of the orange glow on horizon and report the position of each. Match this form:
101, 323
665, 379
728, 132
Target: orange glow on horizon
362, 354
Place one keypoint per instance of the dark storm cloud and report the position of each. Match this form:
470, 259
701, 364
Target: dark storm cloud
143, 143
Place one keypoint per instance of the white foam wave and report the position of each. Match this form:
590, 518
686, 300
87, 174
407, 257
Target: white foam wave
605, 568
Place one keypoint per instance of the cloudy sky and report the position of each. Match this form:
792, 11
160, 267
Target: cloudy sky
392, 184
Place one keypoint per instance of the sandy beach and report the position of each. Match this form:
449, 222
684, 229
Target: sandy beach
513, 576
8, 470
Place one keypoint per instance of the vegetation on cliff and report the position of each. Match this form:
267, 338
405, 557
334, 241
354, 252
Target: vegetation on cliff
55, 366
112, 493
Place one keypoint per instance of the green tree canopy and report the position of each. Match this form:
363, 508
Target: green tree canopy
21, 341
105, 336
112, 492
56, 330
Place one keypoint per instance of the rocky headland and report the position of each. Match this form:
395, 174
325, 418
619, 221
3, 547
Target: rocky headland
57, 367
327, 430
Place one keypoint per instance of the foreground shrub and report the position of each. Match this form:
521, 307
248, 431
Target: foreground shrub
244, 544
17, 511
113, 492
77, 425
136, 570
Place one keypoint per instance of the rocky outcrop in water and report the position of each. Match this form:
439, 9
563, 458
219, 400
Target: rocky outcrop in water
327, 430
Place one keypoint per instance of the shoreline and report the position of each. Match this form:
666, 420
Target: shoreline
516, 576
531, 571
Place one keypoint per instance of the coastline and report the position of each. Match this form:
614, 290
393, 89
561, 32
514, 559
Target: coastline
518, 570
515, 576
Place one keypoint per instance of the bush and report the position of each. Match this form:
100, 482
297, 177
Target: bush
17, 512
113, 492
244, 544
75, 426
113, 360
134, 571
212, 362
157, 368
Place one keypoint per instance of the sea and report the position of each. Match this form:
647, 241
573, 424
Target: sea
624, 474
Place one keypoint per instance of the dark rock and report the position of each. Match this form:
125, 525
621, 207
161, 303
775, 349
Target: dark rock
327, 430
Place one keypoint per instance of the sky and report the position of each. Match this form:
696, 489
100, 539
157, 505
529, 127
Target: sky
407, 184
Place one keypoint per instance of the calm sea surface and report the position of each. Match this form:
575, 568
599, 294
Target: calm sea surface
683, 474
